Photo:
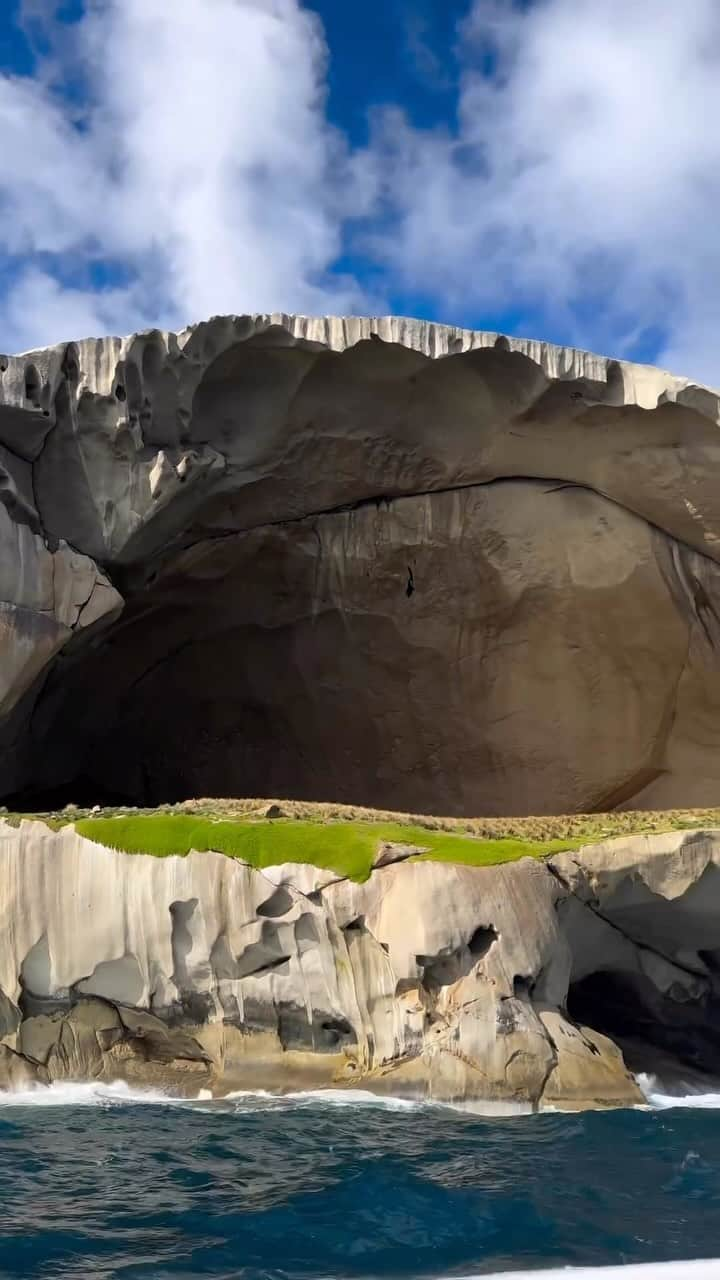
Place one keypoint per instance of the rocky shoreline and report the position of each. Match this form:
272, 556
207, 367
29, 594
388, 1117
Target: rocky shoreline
508, 987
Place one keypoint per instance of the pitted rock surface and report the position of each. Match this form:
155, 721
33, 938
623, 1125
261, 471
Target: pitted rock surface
527, 985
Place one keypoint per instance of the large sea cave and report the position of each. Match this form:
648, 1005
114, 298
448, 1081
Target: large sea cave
646, 963
458, 584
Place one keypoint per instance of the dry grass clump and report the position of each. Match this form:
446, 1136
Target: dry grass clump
576, 827
593, 826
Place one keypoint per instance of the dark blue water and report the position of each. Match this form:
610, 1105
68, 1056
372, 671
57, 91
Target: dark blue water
258, 1188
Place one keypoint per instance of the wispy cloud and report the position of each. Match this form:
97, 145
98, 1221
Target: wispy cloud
427, 62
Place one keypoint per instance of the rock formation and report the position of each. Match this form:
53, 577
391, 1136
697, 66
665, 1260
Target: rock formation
367, 560
502, 987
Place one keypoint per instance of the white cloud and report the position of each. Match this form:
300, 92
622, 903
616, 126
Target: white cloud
578, 185
39, 310
584, 173
203, 164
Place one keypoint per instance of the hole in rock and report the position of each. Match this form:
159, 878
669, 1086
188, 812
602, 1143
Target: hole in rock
481, 941
450, 966
181, 914
711, 958
33, 385
325, 1035
120, 981
278, 904
70, 364
336, 1029
355, 926
660, 1034
263, 956
225, 684
306, 933
644, 971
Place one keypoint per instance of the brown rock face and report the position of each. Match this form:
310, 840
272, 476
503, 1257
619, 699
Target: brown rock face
368, 561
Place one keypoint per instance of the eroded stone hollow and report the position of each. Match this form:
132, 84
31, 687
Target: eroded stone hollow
531, 984
655, 1032
369, 561
645, 942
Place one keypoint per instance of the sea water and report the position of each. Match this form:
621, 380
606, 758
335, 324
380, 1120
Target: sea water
102, 1181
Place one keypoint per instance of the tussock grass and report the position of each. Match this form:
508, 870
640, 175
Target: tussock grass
576, 827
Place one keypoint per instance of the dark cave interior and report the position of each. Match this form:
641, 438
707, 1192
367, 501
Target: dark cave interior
673, 1038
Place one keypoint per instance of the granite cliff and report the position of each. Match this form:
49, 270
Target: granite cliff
379, 561
515, 986
369, 560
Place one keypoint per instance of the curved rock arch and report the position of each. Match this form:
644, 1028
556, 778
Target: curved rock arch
263, 492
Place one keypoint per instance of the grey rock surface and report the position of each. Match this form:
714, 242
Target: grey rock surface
367, 560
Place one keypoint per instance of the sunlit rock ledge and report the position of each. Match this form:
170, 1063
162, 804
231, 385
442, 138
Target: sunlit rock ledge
513, 987
368, 560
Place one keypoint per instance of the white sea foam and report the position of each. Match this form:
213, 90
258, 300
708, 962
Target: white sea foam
707, 1270
652, 1090
366, 1098
89, 1094
96, 1094
93, 1094
329, 1097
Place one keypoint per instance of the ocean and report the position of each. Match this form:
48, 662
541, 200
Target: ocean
102, 1181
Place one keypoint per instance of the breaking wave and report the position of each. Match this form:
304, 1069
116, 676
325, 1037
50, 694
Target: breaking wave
707, 1270
119, 1093
90, 1094
657, 1097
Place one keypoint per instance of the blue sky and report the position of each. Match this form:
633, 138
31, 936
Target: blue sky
541, 167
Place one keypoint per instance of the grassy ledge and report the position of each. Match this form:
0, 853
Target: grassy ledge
349, 848
346, 838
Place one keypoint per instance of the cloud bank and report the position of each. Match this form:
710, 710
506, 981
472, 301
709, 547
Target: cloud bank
195, 171
583, 179
198, 170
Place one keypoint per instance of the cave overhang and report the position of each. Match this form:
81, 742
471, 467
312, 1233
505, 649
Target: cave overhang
369, 560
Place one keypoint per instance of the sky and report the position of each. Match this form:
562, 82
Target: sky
547, 168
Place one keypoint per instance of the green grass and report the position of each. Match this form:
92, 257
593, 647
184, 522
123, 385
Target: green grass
349, 848
488, 853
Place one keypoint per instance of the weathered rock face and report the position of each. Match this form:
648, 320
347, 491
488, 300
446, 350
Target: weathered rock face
366, 560
508, 986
